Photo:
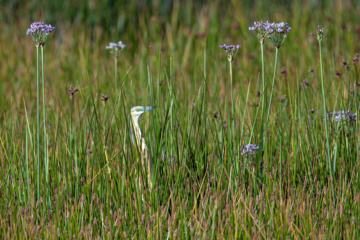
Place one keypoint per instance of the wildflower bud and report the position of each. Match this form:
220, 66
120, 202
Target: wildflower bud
216, 114
319, 34
355, 60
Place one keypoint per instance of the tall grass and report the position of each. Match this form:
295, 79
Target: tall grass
203, 186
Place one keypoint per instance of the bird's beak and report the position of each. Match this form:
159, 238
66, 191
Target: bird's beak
150, 108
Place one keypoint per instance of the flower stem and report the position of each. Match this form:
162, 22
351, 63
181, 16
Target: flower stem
45, 135
70, 147
231, 86
44, 111
116, 74
232, 100
27, 168
272, 91
263, 97
262, 68
38, 123
324, 103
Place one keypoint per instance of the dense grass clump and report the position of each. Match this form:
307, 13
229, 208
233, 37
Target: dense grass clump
226, 165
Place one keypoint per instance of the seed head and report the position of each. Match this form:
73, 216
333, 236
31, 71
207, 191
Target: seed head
306, 82
39, 32
104, 98
72, 91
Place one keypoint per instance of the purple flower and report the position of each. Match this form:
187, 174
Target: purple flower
341, 116
39, 32
231, 51
116, 48
249, 149
259, 30
277, 32
352, 116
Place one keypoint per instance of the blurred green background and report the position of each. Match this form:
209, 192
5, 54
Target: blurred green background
154, 30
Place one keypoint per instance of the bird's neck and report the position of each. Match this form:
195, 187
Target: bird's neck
137, 131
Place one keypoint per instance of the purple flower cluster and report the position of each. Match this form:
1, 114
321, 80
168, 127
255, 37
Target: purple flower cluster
276, 32
341, 116
249, 149
39, 32
259, 30
116, 48
231, 51
319, 34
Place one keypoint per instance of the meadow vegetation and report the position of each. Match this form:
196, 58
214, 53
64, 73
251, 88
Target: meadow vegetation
302, 182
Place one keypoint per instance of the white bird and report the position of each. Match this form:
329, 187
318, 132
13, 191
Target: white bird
146, 159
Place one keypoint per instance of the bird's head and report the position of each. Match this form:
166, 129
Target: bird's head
138, 110
135, 114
